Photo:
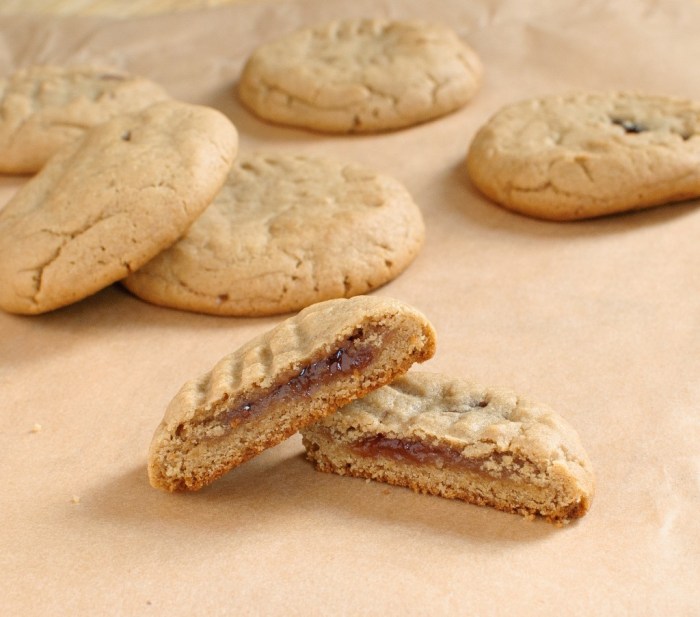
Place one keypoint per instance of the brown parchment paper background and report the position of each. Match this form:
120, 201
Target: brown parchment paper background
600, 319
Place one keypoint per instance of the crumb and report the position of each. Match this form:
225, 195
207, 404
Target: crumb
36, 428
386, 491
367, 480
75, 499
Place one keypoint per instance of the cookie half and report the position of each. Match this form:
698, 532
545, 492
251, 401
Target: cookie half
360, 76
283, 233
295, 374
452, 438
587, 155
43, 108
107, 204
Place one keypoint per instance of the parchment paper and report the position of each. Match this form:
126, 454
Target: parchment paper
599, 319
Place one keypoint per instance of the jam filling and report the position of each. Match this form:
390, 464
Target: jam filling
629, 125
350, 356
417, 453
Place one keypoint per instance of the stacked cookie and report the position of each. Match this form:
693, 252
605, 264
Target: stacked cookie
334, 372
106, 204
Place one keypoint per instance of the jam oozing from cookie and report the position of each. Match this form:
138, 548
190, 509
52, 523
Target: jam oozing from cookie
352, 355
419, 453
630, 126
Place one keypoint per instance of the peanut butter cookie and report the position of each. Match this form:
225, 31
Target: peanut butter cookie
285, 232
587, 155
45, 107
295, 374
108, 203
449, 437
361, 76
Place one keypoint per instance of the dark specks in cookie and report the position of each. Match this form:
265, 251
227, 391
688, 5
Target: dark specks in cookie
629, 125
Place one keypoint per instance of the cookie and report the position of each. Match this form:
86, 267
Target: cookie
45, 107
285, 232
298, 372
449, 437
587, 155
360, 76
108, 203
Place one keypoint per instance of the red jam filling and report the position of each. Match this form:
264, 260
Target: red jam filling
347, 359
419, 453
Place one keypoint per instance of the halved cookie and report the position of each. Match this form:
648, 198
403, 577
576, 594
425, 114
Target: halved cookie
586, 155
452, 438
293, 375
108, 203
43, 108
284, 232
361, 75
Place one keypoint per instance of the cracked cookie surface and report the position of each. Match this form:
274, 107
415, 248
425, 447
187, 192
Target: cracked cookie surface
450, 437
110, 202
361, 76
285, 232
586, 155
45, 107
300, 371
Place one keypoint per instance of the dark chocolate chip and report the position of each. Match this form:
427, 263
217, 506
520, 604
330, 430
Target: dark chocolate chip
629, 125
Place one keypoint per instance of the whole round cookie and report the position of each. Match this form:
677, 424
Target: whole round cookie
361, 76
285, 232
587, 155
110, 202
45, 107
